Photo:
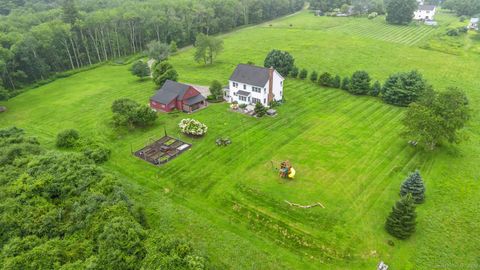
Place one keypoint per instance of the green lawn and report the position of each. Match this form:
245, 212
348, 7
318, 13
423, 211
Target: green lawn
346, 150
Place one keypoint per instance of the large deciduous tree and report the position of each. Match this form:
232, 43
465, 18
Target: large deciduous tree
158, 51
207, 48
282, 61
400, 11
163, 71
437, 117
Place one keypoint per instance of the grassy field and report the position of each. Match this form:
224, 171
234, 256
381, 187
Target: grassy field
346, 150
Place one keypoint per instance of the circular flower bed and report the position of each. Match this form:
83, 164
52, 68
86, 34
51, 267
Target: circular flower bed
192, 127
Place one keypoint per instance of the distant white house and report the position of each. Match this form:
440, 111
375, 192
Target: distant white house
251, 84
473, 23
425, 12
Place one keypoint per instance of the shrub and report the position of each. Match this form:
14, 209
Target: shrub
401, 221
346, 83
414, 185
314, 76
325, 79
260, 110
67, 138
360, 83
303, 74
242, 106
96, 152
282, 61
372, 15
129, 113
192, 127
216, 89
452, 32
294, 72
140, 69
401, 89
337, 82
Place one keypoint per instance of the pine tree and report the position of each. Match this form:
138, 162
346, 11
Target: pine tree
346, 83
314, 76
376, 89
401, 221
414, 185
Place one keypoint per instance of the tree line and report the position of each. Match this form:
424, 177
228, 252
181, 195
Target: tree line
40, 38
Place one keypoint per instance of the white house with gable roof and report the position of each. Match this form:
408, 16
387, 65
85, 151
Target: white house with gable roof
251, 84
425, 13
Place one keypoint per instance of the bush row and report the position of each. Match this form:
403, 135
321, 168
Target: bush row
399, 89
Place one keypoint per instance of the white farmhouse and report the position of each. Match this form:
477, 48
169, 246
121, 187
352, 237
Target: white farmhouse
425, 13
251, 84
473, 24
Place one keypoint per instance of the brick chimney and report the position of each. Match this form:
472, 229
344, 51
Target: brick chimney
270, 85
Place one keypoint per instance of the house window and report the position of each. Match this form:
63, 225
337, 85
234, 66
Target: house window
244, 87
264, 90
235, 84
264, 100
281, 83
256, 100
256, 89
281, 93
242, 98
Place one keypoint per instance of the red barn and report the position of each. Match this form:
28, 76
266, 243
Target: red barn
174, 95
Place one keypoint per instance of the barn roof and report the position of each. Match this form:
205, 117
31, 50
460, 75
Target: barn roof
170, 91
426, 7
252, 75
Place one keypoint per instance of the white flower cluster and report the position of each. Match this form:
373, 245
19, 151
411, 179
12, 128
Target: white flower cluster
192, 127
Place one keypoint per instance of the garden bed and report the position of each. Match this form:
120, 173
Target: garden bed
162, 150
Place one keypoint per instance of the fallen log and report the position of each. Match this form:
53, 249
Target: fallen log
305, 206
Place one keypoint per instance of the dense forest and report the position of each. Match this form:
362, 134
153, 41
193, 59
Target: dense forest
61, 211
41, 37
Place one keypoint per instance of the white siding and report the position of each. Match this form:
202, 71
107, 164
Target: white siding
234, 87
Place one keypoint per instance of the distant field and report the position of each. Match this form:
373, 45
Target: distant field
346, 149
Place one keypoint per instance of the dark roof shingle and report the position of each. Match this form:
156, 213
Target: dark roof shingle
426, 7
252, 75
170, 91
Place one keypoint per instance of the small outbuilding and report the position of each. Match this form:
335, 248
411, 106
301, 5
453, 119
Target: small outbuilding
174, 95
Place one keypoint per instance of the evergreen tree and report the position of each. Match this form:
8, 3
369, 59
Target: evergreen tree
325, 79
294, 72
376, 89
414, 185
401, 221
360, 83
401, 89
346, 83
337, 82
173, 47
314, 76
303, 74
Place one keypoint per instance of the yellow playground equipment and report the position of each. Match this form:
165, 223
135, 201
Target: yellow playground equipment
286, 170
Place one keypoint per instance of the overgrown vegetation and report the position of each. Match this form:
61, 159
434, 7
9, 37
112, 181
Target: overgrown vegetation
60, 210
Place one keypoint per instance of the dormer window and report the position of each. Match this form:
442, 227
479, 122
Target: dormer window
235, 84
244, 87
